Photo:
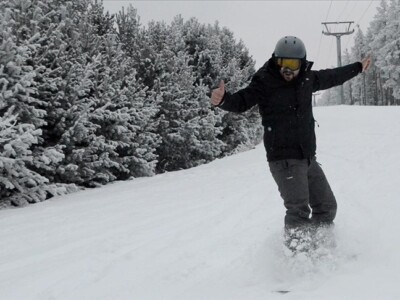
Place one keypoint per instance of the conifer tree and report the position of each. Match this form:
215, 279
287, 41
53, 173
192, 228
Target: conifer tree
24, 110
186, 124
347, 86
87, 97
390, 51
380, 84
358, 52
379, 38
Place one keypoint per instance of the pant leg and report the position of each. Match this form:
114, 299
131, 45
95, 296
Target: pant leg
291, 176
322, 199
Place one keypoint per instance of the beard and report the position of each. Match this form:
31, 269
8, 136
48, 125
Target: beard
288, 74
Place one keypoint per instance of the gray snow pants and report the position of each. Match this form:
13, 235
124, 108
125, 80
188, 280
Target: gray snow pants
305, 190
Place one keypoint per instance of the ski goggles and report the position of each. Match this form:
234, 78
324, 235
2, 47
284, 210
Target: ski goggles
292, 64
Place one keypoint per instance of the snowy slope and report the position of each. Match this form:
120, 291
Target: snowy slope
214, 232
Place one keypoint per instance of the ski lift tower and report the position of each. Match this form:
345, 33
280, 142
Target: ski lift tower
344, 29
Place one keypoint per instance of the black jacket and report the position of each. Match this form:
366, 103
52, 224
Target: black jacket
286, 107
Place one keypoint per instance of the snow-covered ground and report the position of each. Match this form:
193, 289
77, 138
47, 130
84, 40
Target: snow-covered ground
214, 232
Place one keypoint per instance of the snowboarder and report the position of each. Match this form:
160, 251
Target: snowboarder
283, 89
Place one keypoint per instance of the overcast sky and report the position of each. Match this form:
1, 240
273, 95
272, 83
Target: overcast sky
260, 24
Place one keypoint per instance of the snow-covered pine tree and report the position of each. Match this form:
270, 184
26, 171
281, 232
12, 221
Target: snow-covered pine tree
52, 33
378, 86
379, 38
138, 81
215, 55
129, 33
90, 158
140, 140
96, 102
347, 86
370, 77
358, 52
21, 103
203, 46
102, 21
108, 135
17, 49
53, 26
204, 49
19, 184
186, 123
390, 51
140, 44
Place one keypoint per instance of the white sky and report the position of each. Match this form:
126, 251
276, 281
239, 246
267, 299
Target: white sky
260, 24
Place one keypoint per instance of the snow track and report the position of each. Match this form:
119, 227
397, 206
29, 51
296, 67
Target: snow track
214, 232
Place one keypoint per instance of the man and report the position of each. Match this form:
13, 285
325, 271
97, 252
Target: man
283, 89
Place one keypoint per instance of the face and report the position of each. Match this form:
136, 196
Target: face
290, 67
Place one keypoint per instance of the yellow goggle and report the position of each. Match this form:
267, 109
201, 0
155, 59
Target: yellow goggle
290, 63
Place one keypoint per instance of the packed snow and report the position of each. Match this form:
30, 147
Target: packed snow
215, 231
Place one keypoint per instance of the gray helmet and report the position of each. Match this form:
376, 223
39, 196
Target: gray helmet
290, 47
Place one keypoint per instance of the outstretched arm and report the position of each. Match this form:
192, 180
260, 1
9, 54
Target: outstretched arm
325, 79
241, 100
